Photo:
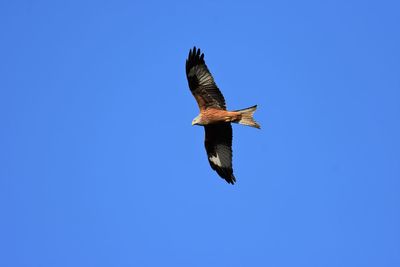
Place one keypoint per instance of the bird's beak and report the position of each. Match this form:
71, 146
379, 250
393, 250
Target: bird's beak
193, 123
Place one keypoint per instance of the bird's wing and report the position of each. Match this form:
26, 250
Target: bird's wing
201, 82
218, 143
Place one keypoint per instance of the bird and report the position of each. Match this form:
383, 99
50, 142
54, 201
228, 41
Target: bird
214, 116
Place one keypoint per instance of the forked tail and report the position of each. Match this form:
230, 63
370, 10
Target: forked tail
247, 117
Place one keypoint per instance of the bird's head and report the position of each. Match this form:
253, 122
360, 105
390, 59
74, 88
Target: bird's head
196, 121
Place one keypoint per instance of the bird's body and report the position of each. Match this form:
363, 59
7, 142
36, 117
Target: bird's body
214, 116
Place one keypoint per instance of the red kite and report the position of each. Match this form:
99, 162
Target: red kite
214, 116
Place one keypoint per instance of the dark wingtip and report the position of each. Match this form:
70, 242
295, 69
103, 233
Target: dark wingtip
195, 57
196, 53
230, 179
226, 174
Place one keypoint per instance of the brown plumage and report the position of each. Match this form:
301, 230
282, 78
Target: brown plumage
214, 116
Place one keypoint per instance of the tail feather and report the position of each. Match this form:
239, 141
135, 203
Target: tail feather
247, 117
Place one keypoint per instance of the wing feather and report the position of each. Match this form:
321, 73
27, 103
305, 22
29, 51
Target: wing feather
201, 82
218, 143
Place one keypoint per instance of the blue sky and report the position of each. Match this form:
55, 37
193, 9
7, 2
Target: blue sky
101, 166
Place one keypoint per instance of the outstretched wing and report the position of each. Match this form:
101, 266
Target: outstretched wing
201, 82
218, 143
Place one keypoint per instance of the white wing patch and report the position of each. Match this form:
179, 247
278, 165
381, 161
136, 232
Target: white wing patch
205, 79
216, 160
222, 156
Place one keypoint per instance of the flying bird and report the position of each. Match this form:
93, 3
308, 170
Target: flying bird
214, 116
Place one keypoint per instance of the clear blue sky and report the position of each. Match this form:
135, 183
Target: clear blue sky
100, 165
